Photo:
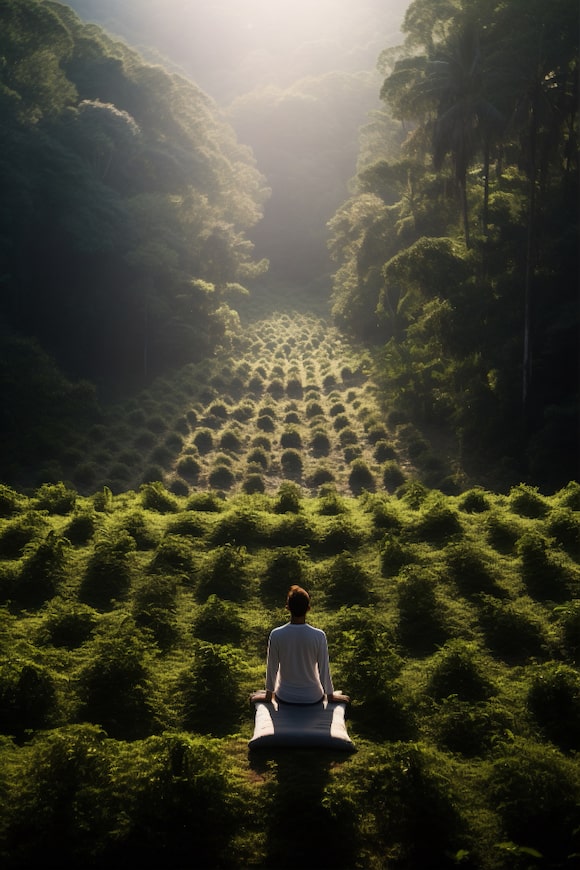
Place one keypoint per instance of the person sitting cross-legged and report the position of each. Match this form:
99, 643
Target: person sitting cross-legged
297, 667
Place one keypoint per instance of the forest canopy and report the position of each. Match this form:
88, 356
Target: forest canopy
126, 198
457, 255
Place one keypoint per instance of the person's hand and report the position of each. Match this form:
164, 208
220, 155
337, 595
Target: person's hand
260, 697
338, 698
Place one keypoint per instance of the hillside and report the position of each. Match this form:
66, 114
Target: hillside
135, 619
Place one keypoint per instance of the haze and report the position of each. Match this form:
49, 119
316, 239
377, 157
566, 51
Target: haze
232, 46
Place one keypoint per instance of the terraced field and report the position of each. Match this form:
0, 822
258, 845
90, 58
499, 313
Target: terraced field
289, 401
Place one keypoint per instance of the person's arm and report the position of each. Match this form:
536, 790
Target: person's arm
271, 669
324, 668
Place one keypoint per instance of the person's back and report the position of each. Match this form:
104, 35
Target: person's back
297, 671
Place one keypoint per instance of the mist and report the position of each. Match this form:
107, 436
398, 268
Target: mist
296, 80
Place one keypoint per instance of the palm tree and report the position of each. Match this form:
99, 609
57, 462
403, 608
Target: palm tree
466, 119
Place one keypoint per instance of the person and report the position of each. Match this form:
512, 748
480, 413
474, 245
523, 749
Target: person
297, 666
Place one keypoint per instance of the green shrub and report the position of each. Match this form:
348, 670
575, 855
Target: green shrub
68, 624
43, 571
336, 409
569, 497
320, 443
510, 632
81, 527
345, 581
142, 531
410, 805
259, 456
221, 477
367, 664
188, 525
19, 532
179, 487
218, 409
360, 477
189, 468
155, 608
210, 502
563, 525
203, 440
225, 574
341, 421
474, 501
570, 621
413, 493
175, 554
216, 673
230, 440
320, 476
253, 483
526, 501
218, 621
55, 498
291, 438
265, 423
28, 699
153, 474
393, 477
458, 669
436, 523
286, 567
501, 533
275, 388
545, 575
347, 436
294, 388
157, 424
377, 432
256, 385
471, 728
384, 451
155, 497
554, 701
330, 504
289, 499
314, 409
468, 566
262, 441
244, 412
383, 515
291, 461
10, 501
340, 533
536, 793
394, 555
292, 530
242, 526
421, 626
114, 686
109, 570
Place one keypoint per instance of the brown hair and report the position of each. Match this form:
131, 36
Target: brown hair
298, 601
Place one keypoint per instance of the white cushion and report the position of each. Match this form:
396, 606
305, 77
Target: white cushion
312, 725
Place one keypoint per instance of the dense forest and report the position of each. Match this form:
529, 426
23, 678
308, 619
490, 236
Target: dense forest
289, 294
459, 255
126, 198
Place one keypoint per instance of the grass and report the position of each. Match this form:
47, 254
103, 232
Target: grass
134, 622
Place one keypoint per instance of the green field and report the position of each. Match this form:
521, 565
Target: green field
137, 606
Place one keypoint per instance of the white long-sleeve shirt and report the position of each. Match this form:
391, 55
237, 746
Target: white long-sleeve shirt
297, 668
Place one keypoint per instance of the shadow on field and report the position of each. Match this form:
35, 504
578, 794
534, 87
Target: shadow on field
302, 829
